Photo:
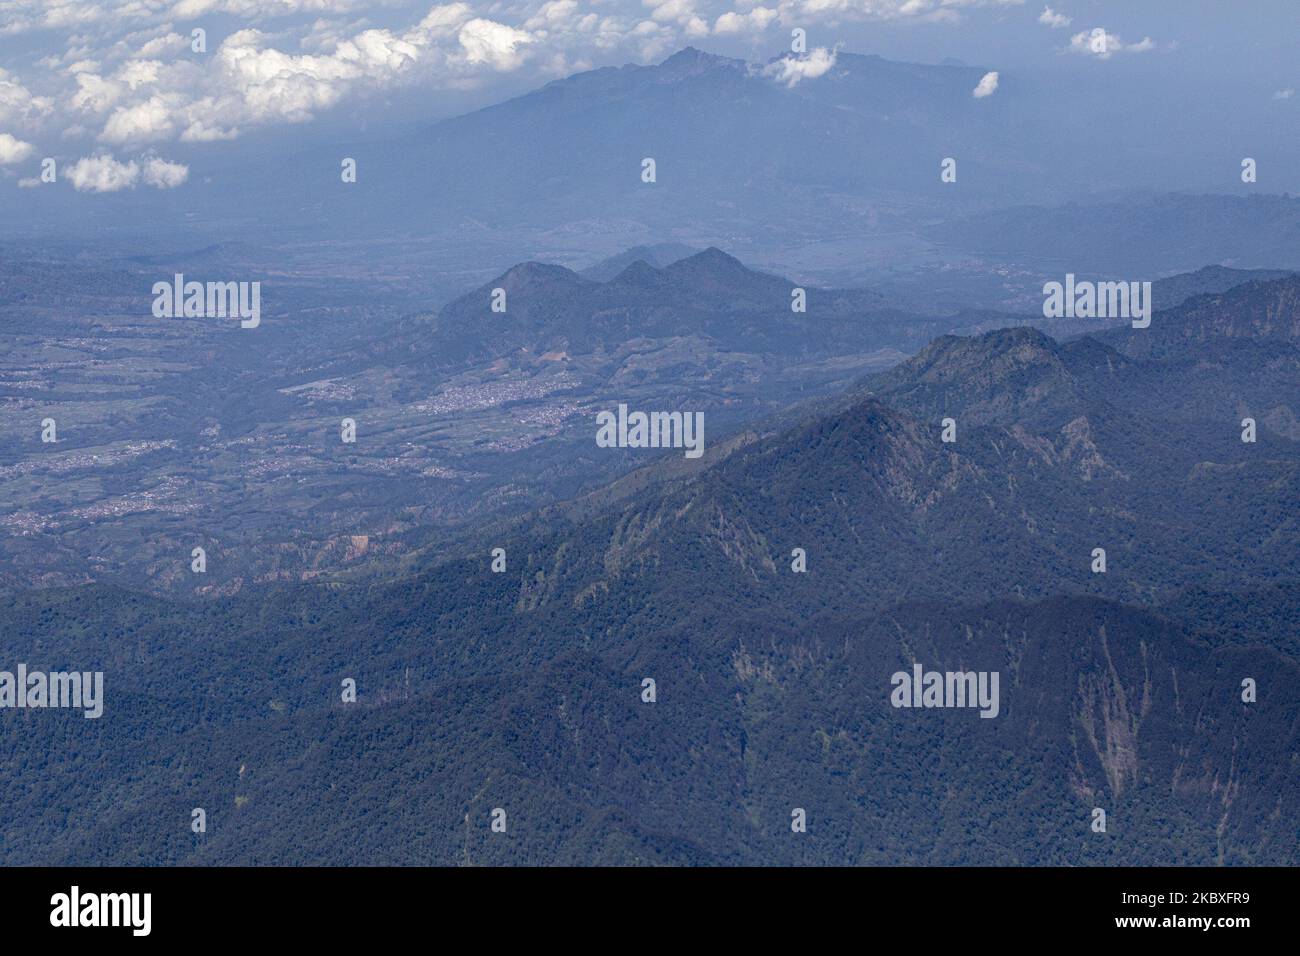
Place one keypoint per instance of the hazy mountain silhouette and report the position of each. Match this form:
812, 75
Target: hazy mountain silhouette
658, 255
1137, 238
709, 295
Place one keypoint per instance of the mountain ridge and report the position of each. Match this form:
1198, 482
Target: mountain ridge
771, 591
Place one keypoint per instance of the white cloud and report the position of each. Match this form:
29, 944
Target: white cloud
755, 21
19, 104
164, 175
160, 28
26, 15
104, 174
670, 11
150, 120
987, 85
485, 41
1284, 94
790, 70
259, 9
557, 15
680, 13
167, 44
138, 73
935, 11
248, 82
1103, 45
95, 94
1051, 18
652, 40
13, 150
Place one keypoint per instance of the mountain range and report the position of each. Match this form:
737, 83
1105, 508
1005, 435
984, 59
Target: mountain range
524, 689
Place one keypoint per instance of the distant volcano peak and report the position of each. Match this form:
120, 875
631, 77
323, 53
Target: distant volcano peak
711, 259
689, 61
638, 272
